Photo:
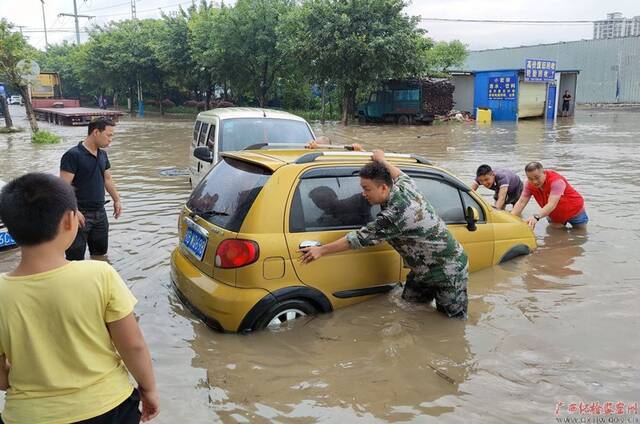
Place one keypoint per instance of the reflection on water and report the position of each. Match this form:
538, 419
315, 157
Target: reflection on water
558, 325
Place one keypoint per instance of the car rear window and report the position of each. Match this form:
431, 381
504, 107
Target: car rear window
225, 195
240, 133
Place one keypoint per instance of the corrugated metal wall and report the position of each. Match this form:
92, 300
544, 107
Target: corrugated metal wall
601, 64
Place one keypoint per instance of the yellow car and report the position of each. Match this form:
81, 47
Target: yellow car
237, 263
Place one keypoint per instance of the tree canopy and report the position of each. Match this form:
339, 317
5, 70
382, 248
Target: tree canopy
256, 52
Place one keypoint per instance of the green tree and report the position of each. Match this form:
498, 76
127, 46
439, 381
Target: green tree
355, 42
248, 45
444, 56
14, 48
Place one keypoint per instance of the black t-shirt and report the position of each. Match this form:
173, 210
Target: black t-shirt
88, 179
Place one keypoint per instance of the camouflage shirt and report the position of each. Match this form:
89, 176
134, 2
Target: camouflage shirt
412, 227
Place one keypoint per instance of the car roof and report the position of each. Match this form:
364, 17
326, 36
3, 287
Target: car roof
273, 159
248, 112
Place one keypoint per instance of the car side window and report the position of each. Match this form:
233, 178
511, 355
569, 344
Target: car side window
203, 133
330, 203
444, 198
467, 200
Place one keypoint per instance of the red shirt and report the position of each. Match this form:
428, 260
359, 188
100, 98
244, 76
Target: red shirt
571, 202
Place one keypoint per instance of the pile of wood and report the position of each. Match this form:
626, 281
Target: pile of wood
437, 96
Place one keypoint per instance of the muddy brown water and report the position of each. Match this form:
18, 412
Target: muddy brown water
560, 325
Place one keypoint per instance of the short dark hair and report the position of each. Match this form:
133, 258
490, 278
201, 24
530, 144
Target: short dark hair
377, 172
532, 166
483, 170
100, 124
33, 205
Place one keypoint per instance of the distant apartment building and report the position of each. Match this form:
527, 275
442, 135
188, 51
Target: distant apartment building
616, 26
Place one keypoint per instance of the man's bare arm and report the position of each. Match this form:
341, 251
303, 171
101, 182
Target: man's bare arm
4, 373
520, 204
113, 192
502, 197
378, 156
67, 176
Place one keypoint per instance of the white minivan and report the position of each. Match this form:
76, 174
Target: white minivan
239, 128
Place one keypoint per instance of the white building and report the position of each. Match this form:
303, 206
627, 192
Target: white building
616, 26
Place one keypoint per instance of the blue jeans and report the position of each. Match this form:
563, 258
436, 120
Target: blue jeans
579, 219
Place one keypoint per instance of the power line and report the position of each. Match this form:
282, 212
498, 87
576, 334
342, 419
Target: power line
504, 21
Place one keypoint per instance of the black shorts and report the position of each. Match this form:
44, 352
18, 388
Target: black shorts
565, 106
128, 412
95, 233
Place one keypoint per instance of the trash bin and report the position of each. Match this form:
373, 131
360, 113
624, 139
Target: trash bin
483, 115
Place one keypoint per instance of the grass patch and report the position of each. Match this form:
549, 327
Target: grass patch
169, 110
5, 130
315, 115
44, 137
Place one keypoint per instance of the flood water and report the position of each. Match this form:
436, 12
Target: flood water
560, 325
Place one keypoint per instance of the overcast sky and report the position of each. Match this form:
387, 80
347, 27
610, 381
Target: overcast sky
28, 13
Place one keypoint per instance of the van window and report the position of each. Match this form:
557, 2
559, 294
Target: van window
331, 203
227, 204
444, 198
203, 134
196, 130
211, 139
238, 134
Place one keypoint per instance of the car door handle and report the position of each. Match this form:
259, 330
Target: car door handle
309, 243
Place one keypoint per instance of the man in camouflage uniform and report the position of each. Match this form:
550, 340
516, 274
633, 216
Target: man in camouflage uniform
439, 266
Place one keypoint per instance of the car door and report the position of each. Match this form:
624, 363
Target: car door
450, 200
325, 204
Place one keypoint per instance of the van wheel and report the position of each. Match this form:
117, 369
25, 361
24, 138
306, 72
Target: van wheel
404, 120
284, 312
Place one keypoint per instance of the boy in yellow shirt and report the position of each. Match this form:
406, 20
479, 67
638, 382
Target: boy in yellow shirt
67, 329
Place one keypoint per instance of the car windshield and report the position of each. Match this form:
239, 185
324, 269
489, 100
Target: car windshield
240, 133
226, 194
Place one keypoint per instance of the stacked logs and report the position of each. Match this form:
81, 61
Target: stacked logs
437, 96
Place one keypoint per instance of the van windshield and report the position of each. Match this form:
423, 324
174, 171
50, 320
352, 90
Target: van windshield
225, 195
240, 133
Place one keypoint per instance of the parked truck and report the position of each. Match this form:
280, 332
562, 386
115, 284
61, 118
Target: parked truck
408, 101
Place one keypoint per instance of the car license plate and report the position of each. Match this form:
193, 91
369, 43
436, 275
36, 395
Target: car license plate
195, 242
6, 240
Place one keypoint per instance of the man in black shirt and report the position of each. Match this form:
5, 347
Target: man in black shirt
86, 167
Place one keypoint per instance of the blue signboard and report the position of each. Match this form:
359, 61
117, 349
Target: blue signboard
539, 70
502, 88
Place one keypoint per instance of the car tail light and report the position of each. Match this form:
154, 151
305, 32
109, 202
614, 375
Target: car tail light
235, 253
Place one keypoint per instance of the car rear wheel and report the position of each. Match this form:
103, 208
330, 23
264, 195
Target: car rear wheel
285, 312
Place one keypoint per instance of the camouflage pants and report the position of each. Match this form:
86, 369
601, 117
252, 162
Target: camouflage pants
446, 284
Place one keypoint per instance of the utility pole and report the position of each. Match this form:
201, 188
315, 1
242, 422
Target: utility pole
133, 9
20, 28
44, 21
76, 16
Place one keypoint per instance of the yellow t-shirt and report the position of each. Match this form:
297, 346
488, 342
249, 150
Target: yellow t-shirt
64, 367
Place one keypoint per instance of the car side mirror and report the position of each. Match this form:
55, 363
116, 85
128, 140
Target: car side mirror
203, 153
471, 216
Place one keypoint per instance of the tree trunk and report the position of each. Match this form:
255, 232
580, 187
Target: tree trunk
24, 91
207, 99
348, 99
324, 85
115, 100
161, 90
7, 115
